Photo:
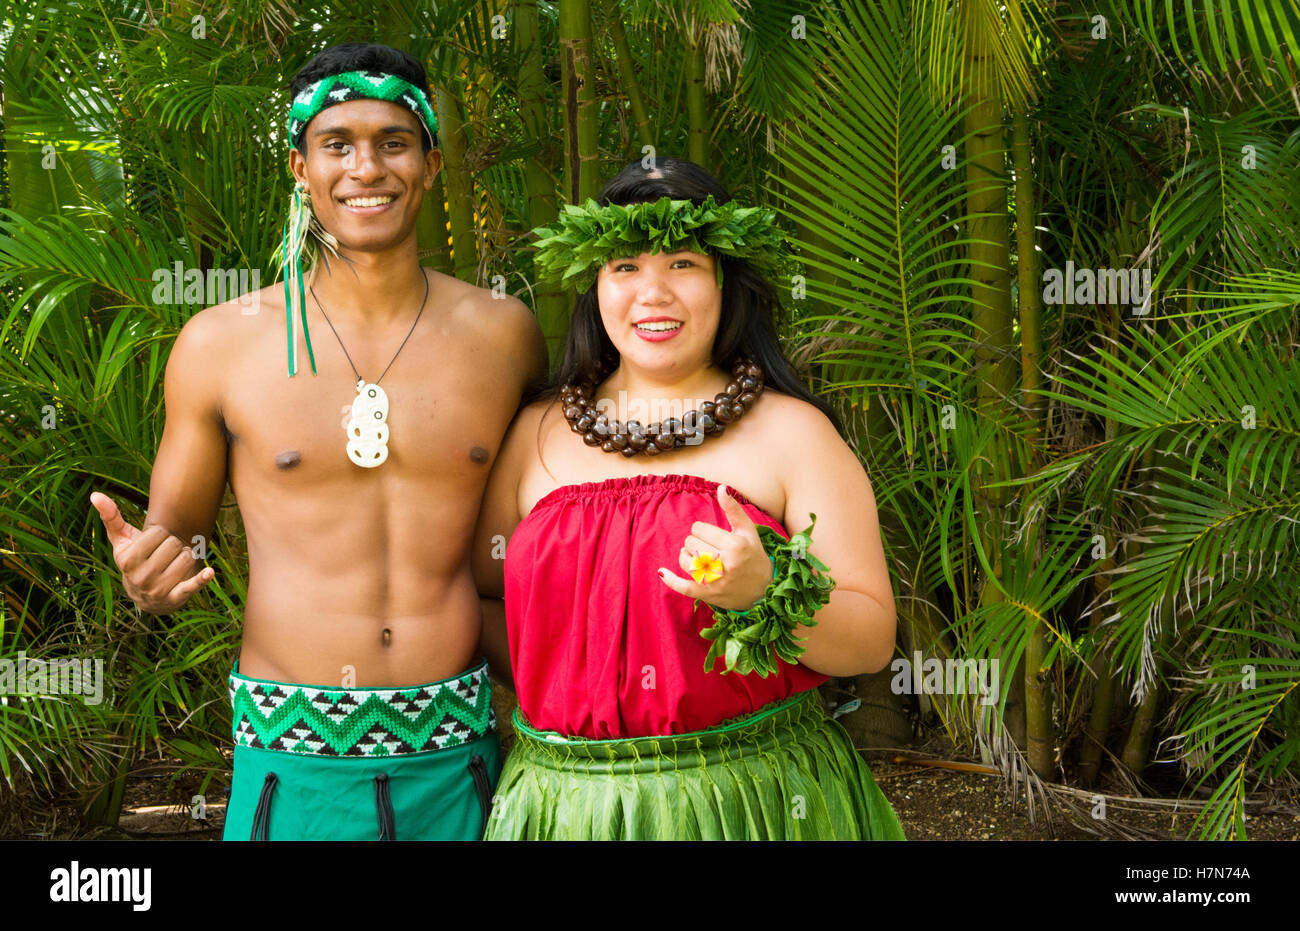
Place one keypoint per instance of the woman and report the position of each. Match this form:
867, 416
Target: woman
636, 531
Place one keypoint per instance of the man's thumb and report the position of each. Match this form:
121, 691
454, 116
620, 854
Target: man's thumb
117, 528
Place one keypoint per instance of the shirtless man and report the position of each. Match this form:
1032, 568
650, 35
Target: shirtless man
361, 709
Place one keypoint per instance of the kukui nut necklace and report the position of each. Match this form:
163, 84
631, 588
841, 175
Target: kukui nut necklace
368, 428
632, 438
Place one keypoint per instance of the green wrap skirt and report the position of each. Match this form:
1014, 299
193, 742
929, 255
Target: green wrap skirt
789, 772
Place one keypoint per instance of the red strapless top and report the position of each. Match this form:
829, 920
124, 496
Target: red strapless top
600, 647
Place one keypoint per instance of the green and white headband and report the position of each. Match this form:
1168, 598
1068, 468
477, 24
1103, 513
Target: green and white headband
360, 85
302, 230
575, 247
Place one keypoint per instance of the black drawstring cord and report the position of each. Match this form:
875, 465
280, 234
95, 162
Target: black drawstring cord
262, 815
478, 769
384, 808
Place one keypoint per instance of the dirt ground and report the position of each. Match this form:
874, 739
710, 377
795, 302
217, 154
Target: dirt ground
937, 793
933, 803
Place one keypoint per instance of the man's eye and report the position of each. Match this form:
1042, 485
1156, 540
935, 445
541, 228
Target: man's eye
687, 261
622, 265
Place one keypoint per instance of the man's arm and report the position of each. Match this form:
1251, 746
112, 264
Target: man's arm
159, 570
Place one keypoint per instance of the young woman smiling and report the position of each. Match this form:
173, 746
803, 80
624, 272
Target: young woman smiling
661, 490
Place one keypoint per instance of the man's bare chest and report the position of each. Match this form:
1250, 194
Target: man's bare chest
442, 417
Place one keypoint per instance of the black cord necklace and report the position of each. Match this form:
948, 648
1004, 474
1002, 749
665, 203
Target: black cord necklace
368, 427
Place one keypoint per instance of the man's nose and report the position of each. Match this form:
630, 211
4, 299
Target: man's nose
365, 162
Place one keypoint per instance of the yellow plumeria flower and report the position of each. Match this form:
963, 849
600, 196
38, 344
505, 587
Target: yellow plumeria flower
706, 568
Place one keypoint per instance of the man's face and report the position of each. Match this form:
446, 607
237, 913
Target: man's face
366, 171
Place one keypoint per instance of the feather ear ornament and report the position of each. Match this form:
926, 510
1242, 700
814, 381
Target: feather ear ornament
299, 248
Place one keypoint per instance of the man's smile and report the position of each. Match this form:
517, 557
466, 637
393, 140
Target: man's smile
367, 203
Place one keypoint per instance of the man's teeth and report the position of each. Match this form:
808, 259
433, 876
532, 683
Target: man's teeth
367, 201
658, 327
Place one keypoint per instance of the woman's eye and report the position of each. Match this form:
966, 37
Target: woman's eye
622, 265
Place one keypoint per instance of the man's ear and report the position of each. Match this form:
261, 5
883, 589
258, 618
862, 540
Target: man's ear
432, 165
298, 165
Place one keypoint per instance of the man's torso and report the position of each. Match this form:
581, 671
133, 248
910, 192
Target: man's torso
361, 575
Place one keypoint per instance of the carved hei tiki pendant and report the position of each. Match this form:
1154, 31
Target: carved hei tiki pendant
368, 427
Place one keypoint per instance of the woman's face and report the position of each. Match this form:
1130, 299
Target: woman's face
661, 311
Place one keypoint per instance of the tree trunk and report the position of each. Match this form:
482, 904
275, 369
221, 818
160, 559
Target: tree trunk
431, 229
578, 83
1041, 740
459, 185
627, 78
995, 353
549, 300
697, 133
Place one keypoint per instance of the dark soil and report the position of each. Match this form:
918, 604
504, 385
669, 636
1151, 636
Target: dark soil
933, 803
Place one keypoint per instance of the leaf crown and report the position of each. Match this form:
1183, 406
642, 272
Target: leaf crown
573, 249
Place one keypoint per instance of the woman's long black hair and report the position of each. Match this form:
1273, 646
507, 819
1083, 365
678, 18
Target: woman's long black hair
748, 300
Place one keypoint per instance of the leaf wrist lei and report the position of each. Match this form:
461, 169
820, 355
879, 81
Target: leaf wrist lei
574, 248
753, 640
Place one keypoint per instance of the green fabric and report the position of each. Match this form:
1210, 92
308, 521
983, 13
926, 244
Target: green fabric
788, 773
433, 794
584, 238
359, 85
336, 721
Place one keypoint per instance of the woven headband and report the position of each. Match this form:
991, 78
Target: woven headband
360, 85
575, 247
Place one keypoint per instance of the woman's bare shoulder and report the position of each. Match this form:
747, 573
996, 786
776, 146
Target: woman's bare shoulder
794, 417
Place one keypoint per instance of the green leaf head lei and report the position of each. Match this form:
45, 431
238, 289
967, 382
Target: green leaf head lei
573, 249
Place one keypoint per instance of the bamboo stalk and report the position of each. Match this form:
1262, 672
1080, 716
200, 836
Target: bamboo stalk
697, 134
1039, 733
459, 185
627, 77
578, 84
549, 301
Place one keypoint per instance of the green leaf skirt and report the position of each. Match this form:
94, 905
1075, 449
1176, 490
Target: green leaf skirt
785, 773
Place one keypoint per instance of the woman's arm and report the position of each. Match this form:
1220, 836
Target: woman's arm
497, 519
855, 630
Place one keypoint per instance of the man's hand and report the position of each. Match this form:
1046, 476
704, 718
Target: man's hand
157, 566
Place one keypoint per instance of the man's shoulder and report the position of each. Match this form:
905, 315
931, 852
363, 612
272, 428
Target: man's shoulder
495, 310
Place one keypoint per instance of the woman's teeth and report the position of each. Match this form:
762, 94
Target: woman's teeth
367, 201
658, 327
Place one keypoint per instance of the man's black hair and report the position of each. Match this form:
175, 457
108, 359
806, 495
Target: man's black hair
364, 56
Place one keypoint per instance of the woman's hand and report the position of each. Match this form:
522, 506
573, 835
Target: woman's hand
746, 571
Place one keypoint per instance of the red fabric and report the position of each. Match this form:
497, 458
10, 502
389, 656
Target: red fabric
592, 626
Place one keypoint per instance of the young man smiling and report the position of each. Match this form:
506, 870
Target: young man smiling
361, 709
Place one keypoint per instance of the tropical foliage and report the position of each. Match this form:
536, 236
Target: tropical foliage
1095, 491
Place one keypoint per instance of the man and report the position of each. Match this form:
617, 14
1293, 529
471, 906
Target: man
361, 709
